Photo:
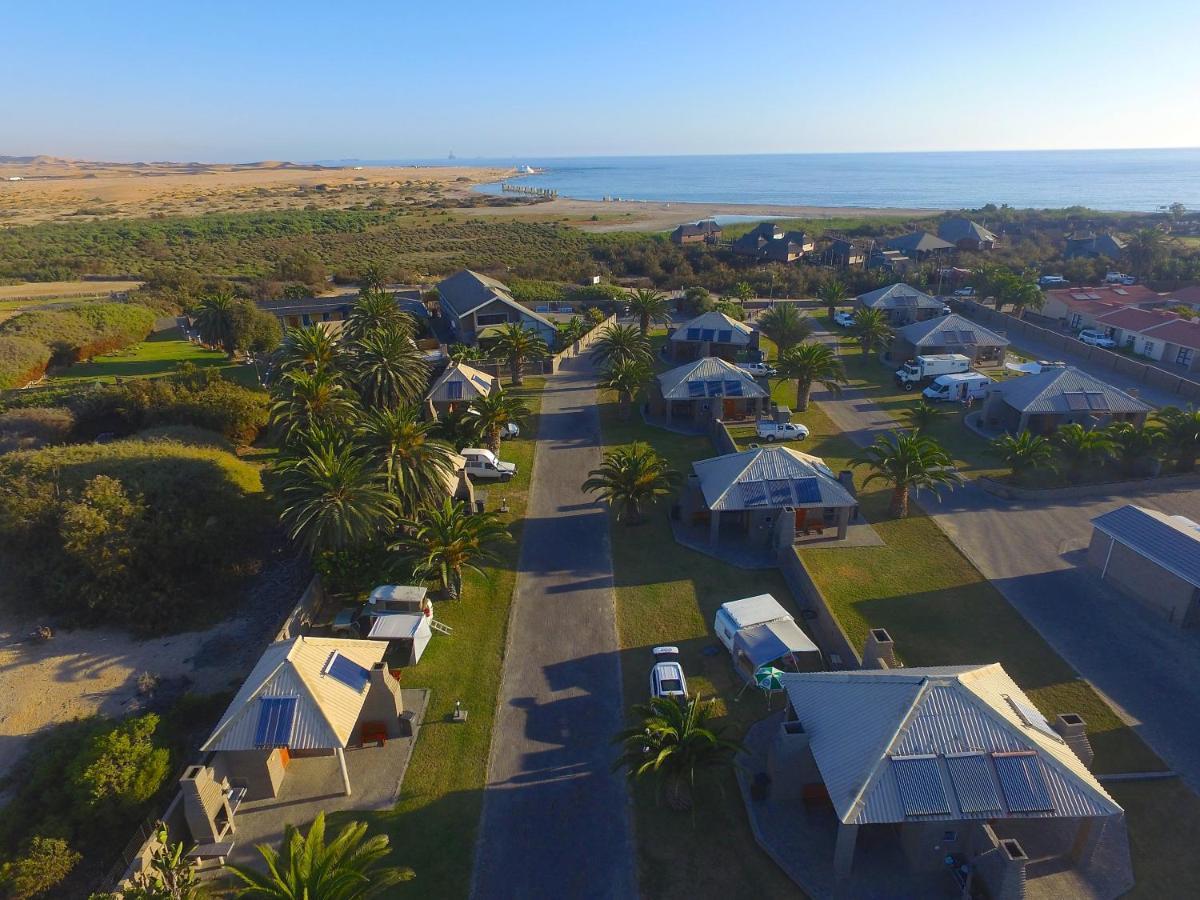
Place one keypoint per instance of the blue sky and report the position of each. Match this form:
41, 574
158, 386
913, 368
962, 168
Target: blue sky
267, 80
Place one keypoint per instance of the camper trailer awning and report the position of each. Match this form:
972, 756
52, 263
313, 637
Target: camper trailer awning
766, 643
395, 626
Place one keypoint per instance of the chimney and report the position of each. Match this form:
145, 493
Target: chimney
384, 702
879, 652
205, 805
1073, 730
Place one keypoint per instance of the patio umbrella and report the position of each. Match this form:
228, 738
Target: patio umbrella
767, 678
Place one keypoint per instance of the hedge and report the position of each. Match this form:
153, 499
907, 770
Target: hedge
31, 341
22, 360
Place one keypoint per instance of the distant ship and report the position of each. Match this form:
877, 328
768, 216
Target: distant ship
525, 170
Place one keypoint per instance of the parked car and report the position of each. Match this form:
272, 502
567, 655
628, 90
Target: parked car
1049, 280
482, 463
667, 678
758, 369
1119, 278
1096, 338
843, 318
511, 430
770, 430
965, 292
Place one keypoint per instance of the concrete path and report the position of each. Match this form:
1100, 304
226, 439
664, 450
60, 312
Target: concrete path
1032, 552
555, 819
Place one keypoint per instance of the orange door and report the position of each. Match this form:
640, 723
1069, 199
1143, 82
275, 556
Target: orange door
801, 515
730, 407
284, 757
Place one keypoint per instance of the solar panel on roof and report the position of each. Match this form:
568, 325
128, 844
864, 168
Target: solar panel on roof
1079, 296
779, 491
920, 785
695, 388
347, 671
275, 718
693, 334
973, 785
1096, 400
1031, 717
1093, 296
1023, 782
754, 493
454, 390
481, 382
1075, 400
714, 388
724, 336
808, 489
733, 389
707, 334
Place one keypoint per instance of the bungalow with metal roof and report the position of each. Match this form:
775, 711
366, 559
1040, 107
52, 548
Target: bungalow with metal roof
947, 764
766, 496
1152, 557
473, 304
967, 235
919, 245
457, 386
705, 232
902, 304
950, 334
1042, 403
1089, 245
712, 334
706, 389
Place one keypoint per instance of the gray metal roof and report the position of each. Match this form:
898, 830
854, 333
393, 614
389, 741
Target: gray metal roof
919, 242
715, 378
1172, 542
943, 743
1058, 390
714, 321
465, 291
769, 478
899, 296
946, 331
955, 230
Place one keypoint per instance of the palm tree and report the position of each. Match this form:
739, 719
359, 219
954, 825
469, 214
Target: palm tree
872, 330
333, 497
572, 331
649, 306
833, 293
388, 369
674, 742
465, 353
625, 379
1080, 448
350, 868
1136, 445
1145, 250
784, 325
309, 347
1024, 452
214, 321
417, 467
922, 416
311, 398
809, 364
496, 411
907, 461
516, 344
442, 541
630, 476
621, 343
1182, 428
376, 310
459, 428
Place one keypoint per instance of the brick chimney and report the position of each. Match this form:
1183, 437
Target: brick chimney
879, 651
1073, 731
384, 702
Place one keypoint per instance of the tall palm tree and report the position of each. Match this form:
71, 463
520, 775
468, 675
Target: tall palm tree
1136, 445
621, 343
214, 321
1024, 452
625, 379
1182, 428
387, 368
871, 329
833, 293
907, 461
308, 347
649, 306
306, 399
517, 344
1080, 448
674, 742
922, 416
417, 466
784, 325
809, 364
349, 868
630, 476
333, 497
376, 310
1145, 250
442, 541
496, 411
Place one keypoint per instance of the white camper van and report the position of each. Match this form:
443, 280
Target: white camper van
962, 386
757, 631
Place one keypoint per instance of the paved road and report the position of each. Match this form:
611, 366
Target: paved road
1032, 553
555, 820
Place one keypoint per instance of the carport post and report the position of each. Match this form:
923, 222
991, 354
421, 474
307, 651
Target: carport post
714, 527
341, 758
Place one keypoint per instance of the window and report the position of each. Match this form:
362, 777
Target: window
1148, 348
1184, 356
454, 390
949, 837
491, 319
1076, 320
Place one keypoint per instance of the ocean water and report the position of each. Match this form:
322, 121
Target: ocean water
1136, 180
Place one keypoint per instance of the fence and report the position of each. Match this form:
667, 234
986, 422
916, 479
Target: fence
310, 601
1150, 375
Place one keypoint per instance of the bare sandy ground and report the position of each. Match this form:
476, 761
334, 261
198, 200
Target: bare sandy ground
63, 290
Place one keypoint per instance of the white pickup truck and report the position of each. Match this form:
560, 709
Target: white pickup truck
770, 430
483, 463
758, 369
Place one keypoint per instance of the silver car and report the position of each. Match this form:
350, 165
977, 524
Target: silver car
667, 678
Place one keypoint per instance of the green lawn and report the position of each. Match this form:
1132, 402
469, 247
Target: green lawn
434, 826
159, 354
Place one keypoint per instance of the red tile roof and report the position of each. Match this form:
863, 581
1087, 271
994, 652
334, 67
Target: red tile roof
1181, 331
1117, 294
1131, 318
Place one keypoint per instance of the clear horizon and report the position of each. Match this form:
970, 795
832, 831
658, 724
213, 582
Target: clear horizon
240, 84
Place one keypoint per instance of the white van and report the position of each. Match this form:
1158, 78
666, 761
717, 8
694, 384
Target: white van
961, 386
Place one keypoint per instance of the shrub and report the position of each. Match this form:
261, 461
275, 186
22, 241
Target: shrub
44, 866
186, 434
22, 360
121, 768
83, 331
254, 330
34, 427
